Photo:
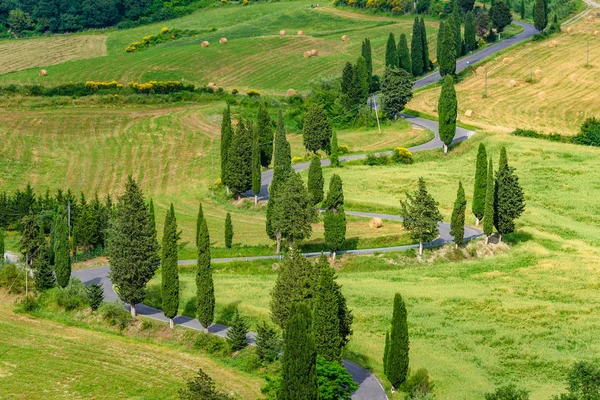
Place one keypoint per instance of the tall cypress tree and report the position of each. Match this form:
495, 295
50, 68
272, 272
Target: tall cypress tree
404, 61
226, 137
488, 219
480, 184
239, 158
367, 54
456, 20
169, 268
447, 60
152, 214
522, 10
326, 323
470, 39
416, 49
503, 160
386, 352
43, 274
447, 112
347, 78
335, 218
205, 290
62, 251
132, 246
426, 60
457, 223
540, 18
391, 54
397, 358
440, 41
360, 91
509, 201
315, 180
334, 155
256, 163
228, 231
317, 129
420, 215
199, 220
264, 129
298, 363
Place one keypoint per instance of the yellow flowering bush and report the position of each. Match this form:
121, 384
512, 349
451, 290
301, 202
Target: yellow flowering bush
297, 159
253, 93
402, 155
91, 85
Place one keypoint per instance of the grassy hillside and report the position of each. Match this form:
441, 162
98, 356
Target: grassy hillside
562, 94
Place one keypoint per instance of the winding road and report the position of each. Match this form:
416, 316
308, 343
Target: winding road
369, 387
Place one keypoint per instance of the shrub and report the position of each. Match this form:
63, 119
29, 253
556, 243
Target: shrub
335, 383
162, 87
201, 387
297, 159
73, 296
94, 86
553, 137
95, 295
253, 93
268, 344
115, 314
165, 35
29, 304
12, 277
373, 159
508, 392
212, 344
234, 91
584, 382
402, 155
418, 384
589, 134
343, 149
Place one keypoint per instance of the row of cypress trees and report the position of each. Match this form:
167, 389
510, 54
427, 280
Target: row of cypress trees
416, 61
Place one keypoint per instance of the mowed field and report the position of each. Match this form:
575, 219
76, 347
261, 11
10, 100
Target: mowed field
255, 57
563, 93
40, 359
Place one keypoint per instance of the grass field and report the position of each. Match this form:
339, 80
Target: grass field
40, 359
561, 96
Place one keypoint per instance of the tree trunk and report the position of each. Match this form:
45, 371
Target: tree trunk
278, 236
499, 238
206, 329
456, 244
227, 190
476, 221
333, 254
445, 148
171, 323
133, 313
487, 240
420, 248
255, 199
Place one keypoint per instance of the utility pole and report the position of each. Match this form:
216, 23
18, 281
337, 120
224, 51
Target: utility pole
376, 114
212, 170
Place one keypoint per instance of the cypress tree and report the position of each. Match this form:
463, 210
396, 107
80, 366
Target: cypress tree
205, 291
298, 363
236, 336
457, 223
470, 40
488, 215
420, 215
522, 10
540, 18
326, 322
226, 138
199, 220
334, 155
509, 201
62, 251
264, 129
368, 56
256, 163
239, 158
416, 49
152, 214
169, 268
268, 344
347, 78
426, 60
503, 161
404, 61
315, 180
480, 184
2, 249
456, 20
95, 295
44, 276
447, 112
132, 244
335, 217
447, 60
397, 358
361, 82
335, 195
228, 231
440, 41
386, 352
317, 129
391, 54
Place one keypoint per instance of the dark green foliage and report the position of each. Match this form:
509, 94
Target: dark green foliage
228, 231
62, 251
391, 53
334, 156
501, 16
404, 60
397, 358
509, 201
457, 223
295, 281
264, 128
30, 240
326, 323
239, 160
584, 382
115, 314
298, 363
256, 163
73, 296
43, 274
205, 291
396, 90
2, 250
335, 218
133, 248
470, 39
589, 134
480, 183
335, 383
418, 384
367, 54
315, 180
268, 344
169, 267
360, 89
95, 295
426, 61
201, 387
236, 336
447, 52
226, 138
488, 215
466, 5
447, 112
420, 214
482, 24
317, 129
199, 220
456, 20
347, 78
416, 49
440, 40
152, 215
503, 160
508, 392
335, 195
522, 9
540, 19
386, 351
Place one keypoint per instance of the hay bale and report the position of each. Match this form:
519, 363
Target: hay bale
223, 40
553, 43
345, 38
314, 52
291, 92
538, 73
306, 54
469, 113
300, 33
480, 71
596, 33
375, 223
42, 72
569, 30
212, 86
512, 83
282, 33
507, 60
573, 77
204, 44
542, 95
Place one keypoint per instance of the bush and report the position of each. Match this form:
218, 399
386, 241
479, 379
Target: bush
93, 86
95, 295
335, 383
402, 155
589, 134
343, 149
508, 392
584, 382
161, 87
268, 343
553, 137
74, 296
201, 387
418, 384
29, 304
253, 93
12, 278
373, 159
297, 159
165, 35
115, 314
212, 344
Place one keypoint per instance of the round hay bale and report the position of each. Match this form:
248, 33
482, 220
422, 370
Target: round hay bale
570, 30
596, 33
223, 40
469, 113
204, 44
375, 223
542, 95
291, 92
573, 77
506, 60
314, 52
282, 33
512, 83
480, 71
345, 38
553, 43
43, 72
306, 54
300, 33
538, 73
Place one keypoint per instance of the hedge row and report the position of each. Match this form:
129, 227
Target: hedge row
91, 87
589, 134
165, 35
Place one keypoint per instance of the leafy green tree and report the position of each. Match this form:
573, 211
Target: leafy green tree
268, 344
199, 220
416, 49
226, 138
447, 112
488, 215
265, 132
367, 54
334, 155
326, 323
584, 382
19, 21
396, 90
421, 215
457, 223
317, 129
397, 357
466, 5
62, 250
205, 290
315, 180
335, 382
236, 336
201, 387
294, 283
509, 200
95, 295
228, 231
169, 267
508, 392
426, 61
239, 159
298, 363
404, 60
540, 19
256, 161
470, 39
447, 53
480, 183
456, 21
391, 54
501, 16
132, 244
335, 217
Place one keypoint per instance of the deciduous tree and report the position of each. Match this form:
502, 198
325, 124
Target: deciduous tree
501, 16
396, 90
317, 129
421, 215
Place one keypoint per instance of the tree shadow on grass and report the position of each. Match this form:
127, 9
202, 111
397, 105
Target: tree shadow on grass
357, 358
227, 314
153, 296
517, 237
190, 308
